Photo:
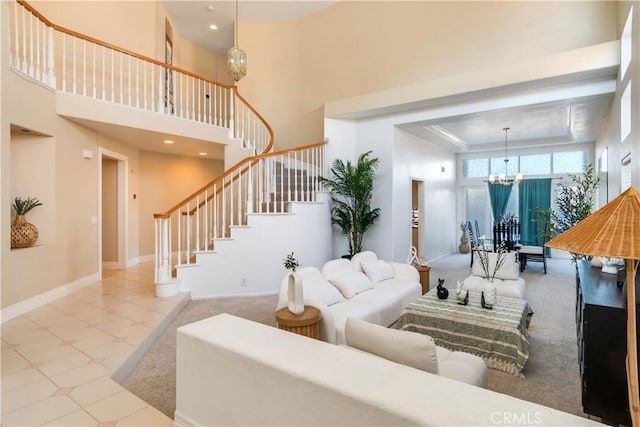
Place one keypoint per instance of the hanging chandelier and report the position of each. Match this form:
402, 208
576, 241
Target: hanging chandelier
236, 57
503, 178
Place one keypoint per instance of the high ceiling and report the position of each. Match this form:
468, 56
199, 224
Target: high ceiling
572, 118
191, 19
537, 125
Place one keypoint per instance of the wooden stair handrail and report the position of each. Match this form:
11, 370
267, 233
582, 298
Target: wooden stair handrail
118, 49
219, 178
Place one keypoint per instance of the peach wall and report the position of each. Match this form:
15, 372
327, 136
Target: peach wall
164, 181
70, 253
353, 48
130, 25
109, 210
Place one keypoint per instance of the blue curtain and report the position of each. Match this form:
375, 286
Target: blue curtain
499, 195
534, 193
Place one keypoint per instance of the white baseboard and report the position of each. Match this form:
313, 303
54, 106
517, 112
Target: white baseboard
236, 295
146, 258
180, 420
37, 301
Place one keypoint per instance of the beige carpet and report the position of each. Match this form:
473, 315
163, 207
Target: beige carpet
551, 374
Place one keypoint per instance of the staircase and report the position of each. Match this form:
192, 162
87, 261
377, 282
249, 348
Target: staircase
229, 237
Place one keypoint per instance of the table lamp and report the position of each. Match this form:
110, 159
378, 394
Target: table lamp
614, 231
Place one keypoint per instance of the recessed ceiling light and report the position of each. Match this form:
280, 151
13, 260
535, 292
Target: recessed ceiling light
203, 154
168, 141
210, 7
213, 26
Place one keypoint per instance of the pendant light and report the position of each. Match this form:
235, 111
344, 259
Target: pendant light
236, 57
503, 178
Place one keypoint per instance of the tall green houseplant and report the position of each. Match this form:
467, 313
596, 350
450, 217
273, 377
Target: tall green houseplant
351, 189
574, 202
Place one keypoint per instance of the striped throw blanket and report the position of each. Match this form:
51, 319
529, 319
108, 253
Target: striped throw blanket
499, 335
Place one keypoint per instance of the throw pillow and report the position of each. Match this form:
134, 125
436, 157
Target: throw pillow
508, 271
351, 283
404, 347
378, 270
318, 289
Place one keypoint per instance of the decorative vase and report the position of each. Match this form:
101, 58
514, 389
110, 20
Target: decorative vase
295, 294
464, 244
23, 233
489, 294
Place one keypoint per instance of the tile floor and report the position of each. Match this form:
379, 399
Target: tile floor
57, 360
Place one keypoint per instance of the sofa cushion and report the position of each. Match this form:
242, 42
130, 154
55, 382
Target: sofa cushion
388, 304
351, 283
407, 290
341, 312
508, 270
336, 268
461, 366
360, 257
404, 347
505, 288
377, 270
318, 289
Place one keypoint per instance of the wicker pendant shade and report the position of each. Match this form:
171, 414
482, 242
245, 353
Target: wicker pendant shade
614, 231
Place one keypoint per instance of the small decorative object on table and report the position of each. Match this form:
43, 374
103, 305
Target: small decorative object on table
490, 293
462, 295
295, 294
443, 293
23, 233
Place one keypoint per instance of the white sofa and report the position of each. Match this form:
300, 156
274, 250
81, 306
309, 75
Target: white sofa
416, 350
364, 287
507, 279
235, 372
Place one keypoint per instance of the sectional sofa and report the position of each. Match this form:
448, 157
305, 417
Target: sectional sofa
364, 288
235, 372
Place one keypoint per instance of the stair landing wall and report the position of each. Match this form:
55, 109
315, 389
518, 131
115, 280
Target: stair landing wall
250, 263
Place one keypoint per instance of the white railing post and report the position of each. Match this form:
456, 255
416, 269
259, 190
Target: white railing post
163, 260
232, 101
250, 189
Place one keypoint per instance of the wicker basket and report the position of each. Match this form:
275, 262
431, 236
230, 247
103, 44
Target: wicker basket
23, 233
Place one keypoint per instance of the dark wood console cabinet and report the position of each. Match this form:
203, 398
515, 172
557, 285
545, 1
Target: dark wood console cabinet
601, 318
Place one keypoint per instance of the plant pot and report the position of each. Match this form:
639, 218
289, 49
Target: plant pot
23, 233
464, 244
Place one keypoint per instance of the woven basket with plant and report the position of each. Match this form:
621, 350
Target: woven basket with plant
23, 233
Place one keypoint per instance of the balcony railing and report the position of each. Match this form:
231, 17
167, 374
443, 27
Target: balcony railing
74, 63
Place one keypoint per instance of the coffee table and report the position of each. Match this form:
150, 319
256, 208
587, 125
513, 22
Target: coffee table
499, 335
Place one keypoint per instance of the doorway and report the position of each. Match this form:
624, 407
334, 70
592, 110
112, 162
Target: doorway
417, 215
112, 209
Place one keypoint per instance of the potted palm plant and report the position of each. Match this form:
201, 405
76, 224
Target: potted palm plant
23, 233
351, 187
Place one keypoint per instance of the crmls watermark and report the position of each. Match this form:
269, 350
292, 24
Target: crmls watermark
516, 418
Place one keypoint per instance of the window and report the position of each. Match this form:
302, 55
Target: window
625, 113
497, 166
544, 164
475, 168
626, 45
569, 161
477, 201
535, 164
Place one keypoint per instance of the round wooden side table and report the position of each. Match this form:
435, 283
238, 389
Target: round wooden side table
307, 323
